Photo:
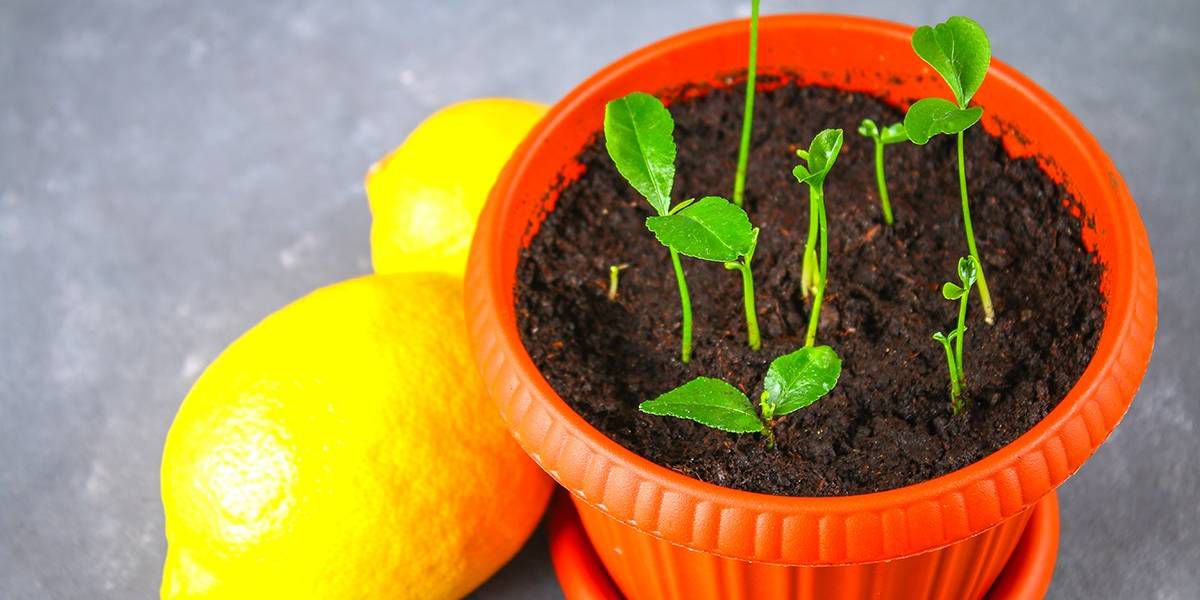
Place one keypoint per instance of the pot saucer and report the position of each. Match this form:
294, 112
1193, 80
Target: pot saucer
582, 576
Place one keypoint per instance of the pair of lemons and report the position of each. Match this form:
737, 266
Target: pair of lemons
345, 447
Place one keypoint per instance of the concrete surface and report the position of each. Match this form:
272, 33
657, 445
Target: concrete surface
172, 171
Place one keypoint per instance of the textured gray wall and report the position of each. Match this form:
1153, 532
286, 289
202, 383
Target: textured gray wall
170, 172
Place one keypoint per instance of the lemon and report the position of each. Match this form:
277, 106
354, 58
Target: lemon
426, 196
345, 448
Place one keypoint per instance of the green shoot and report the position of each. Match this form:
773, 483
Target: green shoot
614, 279
739, 180
638, 134
793, 381
959, 51
821, 154
714, 229
891, 134
967, 271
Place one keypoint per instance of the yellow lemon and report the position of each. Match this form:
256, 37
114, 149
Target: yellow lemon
345, 448
427, 194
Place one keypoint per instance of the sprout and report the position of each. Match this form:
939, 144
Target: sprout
793, 381
891, 134
614, 279
821, 154
960, 52
967, 270
638, 136
717, 230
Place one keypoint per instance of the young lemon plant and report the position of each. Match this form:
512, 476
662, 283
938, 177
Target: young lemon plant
638, 134
714, 229
953, 342
959, 51
793, 381
739, 179
819, 158
892, 134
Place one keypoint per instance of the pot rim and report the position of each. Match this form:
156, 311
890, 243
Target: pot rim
814, 530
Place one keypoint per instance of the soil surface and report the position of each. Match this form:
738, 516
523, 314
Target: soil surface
888, 423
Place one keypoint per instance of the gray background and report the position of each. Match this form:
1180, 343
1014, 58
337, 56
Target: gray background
171, 171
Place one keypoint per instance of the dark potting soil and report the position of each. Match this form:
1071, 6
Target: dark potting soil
888, 423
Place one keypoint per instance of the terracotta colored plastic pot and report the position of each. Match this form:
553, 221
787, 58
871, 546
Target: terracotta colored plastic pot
663, 535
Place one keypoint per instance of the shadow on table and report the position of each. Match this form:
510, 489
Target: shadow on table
528, 576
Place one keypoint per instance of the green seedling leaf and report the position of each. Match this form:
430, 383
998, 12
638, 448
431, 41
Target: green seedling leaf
823, 151
821, 154
796, 380
947, 339
967, 271
893, 134
959, 51
951, 291
868, 129
638, 136
710, 229
931, 116
710, 402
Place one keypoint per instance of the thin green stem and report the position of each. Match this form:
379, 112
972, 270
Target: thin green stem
685, 303
743, 265
962, 332
823, 265
881, 179
807, 264
748, 300
955, 386
988, 314
739, 180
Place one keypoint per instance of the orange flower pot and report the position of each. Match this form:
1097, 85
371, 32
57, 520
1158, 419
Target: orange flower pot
664, 535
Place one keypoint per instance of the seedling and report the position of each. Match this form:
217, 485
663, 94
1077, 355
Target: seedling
638, 136
739, 180
960, 52
714, 229
891, 134
793, 381
967, 271
614, 279
820, 156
